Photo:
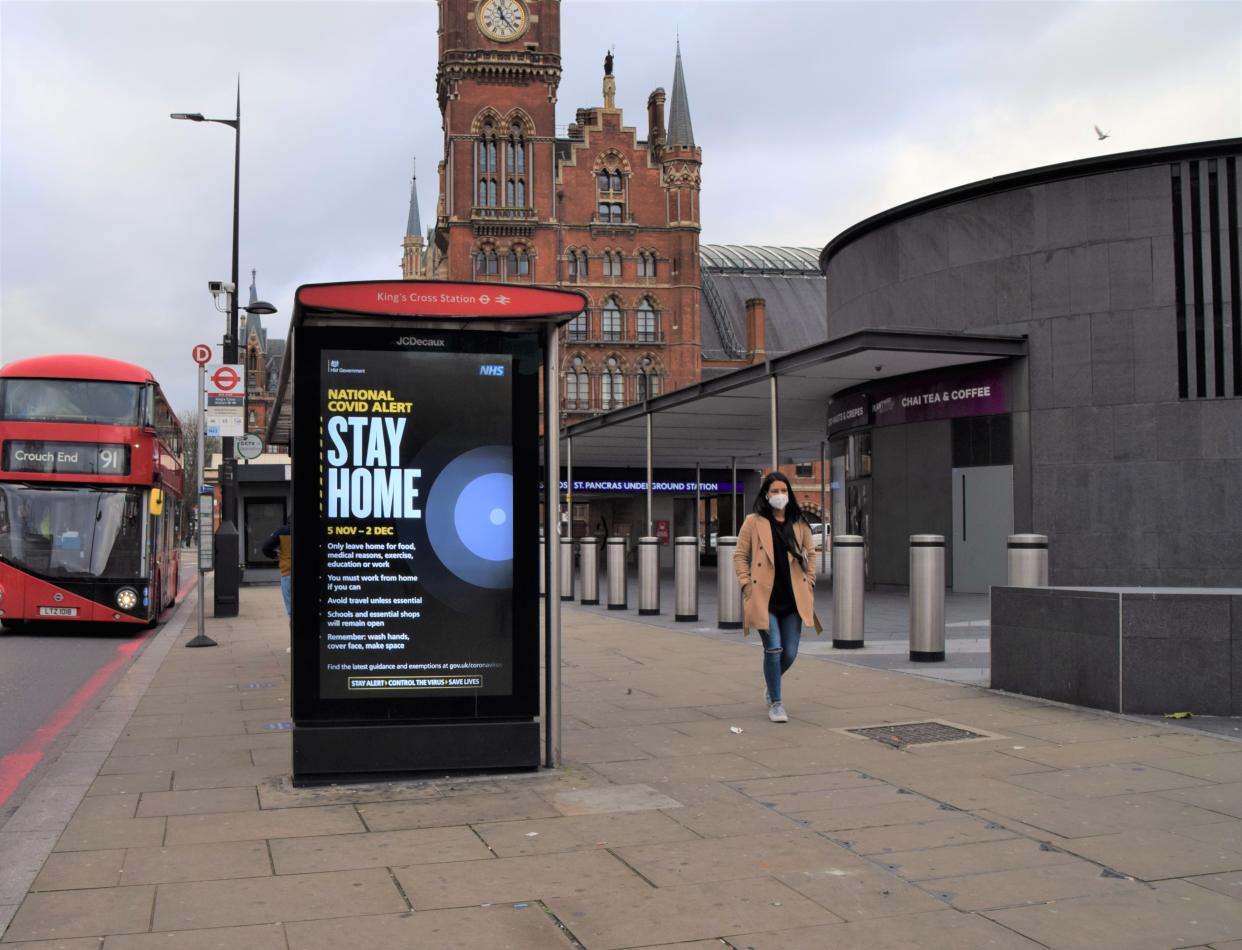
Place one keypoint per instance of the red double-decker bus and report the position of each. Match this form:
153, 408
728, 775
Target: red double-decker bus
91, 486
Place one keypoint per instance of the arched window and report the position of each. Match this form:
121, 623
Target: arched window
573, 265
517, 263
612, 393
583, 270
646, 264
610, 186
577, 385
611, 324
485, 161
578, 327
647, 380
645, 322
515, 166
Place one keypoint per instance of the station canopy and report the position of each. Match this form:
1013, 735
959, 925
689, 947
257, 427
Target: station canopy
729, 418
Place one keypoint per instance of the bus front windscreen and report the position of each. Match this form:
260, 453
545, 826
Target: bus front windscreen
71, 400
71, 532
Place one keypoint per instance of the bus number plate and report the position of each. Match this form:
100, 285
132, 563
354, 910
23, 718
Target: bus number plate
58, 611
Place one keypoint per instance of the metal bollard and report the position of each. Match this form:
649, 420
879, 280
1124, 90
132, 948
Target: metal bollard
728, 593
648, 576
543, 584
686, 576
567, 568
1028, 560
847, 592
617, 580
926, 598
588, 566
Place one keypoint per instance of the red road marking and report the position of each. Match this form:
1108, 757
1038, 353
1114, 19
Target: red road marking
15, 766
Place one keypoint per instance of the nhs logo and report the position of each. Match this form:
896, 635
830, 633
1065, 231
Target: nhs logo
491, 369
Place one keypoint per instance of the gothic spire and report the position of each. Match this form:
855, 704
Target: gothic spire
680, 130
414, 227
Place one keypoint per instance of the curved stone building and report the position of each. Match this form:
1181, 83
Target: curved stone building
1119, 435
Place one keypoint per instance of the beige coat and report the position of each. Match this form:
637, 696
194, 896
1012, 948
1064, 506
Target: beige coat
756, 572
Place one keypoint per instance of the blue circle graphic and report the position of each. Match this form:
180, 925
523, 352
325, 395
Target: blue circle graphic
469, 516
481, 516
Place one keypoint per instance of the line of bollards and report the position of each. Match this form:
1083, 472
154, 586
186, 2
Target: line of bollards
1027, 567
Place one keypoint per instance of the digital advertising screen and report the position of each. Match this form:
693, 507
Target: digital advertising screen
415, 450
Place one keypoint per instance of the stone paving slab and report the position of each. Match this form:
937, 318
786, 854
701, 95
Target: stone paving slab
259, 937
508, 880
204, 904
1153, 855
723, 859
944, 928
860, 891
462, 810
580, 832
983, 857
521, 927
377, 849
1024, 886
196, 862
198, 802
253, 825
916, 835
1173, 914
693, 912
57, 914
71, 870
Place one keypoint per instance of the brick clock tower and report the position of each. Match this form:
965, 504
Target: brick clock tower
596, 209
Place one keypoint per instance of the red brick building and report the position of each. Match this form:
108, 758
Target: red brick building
598, 209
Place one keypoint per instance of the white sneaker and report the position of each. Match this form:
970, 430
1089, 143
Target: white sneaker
776, 713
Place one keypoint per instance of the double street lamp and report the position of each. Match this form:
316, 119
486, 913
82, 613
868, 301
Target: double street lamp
228, 573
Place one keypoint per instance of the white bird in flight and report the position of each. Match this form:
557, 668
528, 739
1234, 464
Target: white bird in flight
1101, 134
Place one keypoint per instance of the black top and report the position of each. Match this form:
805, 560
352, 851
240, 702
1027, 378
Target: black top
782, 601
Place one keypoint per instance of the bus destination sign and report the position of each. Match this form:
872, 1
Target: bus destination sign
76, 458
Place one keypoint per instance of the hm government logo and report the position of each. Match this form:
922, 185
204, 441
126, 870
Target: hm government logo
334, 366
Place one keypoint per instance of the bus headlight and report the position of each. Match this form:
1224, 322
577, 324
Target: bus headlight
127, 598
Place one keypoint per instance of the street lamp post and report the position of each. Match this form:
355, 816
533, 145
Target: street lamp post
228, 572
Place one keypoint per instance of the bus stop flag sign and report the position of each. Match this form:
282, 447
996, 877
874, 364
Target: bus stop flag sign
225, 400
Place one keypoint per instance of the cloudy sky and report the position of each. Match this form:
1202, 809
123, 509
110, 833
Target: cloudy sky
811, 116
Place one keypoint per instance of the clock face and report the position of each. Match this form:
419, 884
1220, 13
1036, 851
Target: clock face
503, 20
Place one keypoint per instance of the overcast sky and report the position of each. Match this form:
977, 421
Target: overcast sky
812, 115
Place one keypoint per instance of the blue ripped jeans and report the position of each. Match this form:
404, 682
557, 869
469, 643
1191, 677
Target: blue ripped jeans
780, 649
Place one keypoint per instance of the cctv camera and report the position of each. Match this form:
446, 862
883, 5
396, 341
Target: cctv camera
221, 286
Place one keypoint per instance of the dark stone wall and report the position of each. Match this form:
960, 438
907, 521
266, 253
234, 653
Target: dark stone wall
1132, 651
1134, 483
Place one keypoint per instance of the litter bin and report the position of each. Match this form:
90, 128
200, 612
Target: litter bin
926, 598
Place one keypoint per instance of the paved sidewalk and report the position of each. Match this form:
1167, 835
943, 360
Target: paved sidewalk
682, 818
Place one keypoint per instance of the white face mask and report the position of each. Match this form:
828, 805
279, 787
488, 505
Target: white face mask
778, 501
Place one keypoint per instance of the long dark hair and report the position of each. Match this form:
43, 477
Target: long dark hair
793, 512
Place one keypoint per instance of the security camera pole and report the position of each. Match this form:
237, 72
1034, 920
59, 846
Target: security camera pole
228, 573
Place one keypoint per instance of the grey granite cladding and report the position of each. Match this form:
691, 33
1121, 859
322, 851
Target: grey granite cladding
1144, 651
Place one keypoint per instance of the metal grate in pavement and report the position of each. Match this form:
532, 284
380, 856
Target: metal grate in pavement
900, 735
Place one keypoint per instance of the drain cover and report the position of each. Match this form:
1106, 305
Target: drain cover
903, 734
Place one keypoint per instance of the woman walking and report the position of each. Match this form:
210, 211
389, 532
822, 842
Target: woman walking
775, 565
